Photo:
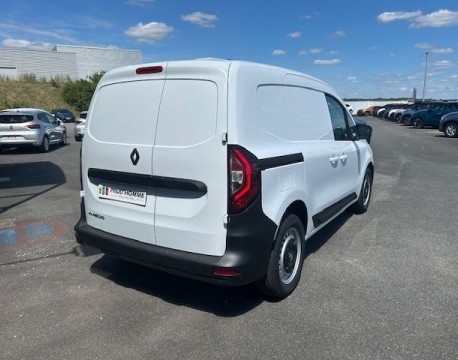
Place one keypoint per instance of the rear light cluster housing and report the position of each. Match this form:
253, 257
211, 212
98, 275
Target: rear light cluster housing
244, 179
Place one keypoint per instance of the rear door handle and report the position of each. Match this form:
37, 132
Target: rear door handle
343, 157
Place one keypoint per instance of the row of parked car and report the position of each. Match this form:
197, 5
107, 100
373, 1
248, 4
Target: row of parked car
38, 128
437, 114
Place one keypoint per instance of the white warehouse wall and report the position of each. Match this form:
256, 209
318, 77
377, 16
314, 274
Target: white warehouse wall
43, 64
93, 59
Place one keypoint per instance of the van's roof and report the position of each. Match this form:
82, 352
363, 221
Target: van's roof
201, 63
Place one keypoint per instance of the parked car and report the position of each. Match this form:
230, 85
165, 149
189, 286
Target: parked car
371, 110
63, 114
449, 124
205, 181
349, 108
419, 105
432, 116
80, 126
33, 127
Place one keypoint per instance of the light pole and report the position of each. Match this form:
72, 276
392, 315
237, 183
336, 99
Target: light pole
426, 70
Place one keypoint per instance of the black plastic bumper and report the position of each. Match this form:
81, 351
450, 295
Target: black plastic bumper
249, 242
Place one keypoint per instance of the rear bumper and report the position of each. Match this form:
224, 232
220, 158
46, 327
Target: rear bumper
249, 241
20, 141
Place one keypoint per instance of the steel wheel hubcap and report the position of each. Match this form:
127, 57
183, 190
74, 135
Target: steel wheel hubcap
290, 256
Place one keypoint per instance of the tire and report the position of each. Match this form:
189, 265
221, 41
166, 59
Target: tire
366, 113
45, 145
361, 206
64, 139
78, 138
285, 263
451, 130
418, 123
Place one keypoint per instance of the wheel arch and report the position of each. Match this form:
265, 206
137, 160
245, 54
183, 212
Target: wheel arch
299, 209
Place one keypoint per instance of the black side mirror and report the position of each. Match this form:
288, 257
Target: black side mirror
364, 132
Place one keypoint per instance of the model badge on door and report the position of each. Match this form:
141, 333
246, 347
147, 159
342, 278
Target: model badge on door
135, 156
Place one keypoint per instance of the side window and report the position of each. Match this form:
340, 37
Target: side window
50, 118
43, 117
338, 119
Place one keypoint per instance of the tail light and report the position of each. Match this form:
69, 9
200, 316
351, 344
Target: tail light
34, 126
78, 122
244, 179
149, 70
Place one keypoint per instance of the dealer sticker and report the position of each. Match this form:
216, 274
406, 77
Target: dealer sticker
123, 194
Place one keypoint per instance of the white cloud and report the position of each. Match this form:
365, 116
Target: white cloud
338, 34
93, 23
327, 62
387, 17
333, 52
278, 52
60, 35
353, 79
306, 17
149, 33
443, 63
424, 46
446, 51
315, 51
303, 52
295, 34
25, 44
141, 3
201, 19
440, 18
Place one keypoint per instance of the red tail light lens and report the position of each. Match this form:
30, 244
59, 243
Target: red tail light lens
34, 126
244, 179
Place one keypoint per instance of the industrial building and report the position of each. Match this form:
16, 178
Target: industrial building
75, 62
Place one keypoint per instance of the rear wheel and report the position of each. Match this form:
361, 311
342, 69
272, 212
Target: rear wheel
364, 198
451, 130
285, 263
418, 123
45, 145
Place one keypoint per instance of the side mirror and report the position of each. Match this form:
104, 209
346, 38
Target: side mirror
364, 132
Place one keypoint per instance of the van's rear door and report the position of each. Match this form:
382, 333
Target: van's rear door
156, 159
190, 150
118, 154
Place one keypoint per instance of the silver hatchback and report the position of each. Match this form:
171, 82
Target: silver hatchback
33, 127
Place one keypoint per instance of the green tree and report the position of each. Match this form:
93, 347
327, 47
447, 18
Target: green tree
79, 93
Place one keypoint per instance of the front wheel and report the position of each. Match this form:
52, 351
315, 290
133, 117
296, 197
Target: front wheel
285, 263
361, 206
451, 130
64, 139
418, 123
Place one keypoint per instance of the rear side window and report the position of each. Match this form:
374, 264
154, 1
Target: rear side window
15, 119
293, 113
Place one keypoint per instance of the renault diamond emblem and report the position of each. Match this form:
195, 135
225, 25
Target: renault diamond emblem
134, 156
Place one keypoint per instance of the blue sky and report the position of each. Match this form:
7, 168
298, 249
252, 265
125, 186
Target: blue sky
363, 48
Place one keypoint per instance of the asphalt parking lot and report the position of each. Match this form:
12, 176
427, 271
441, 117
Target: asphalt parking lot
383, 285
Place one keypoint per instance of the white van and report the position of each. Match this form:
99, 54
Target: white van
218, 170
